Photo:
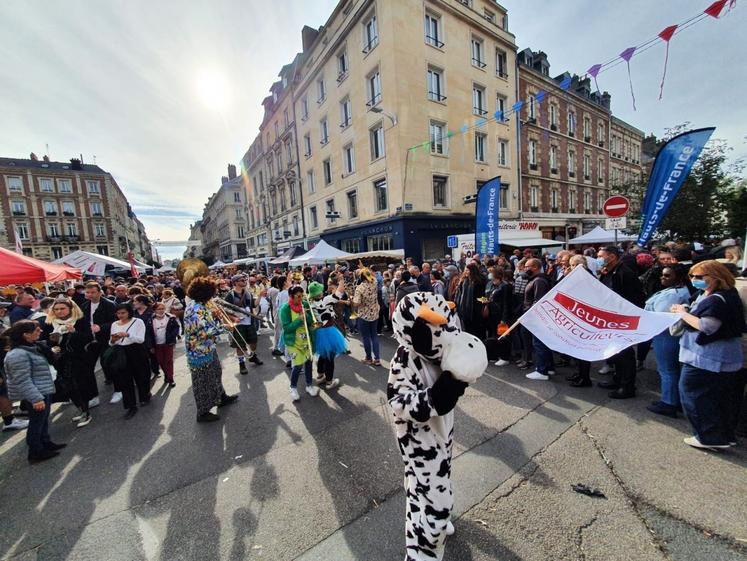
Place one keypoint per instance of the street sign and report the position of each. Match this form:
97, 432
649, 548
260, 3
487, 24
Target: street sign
616, 206
616, 223
452, 241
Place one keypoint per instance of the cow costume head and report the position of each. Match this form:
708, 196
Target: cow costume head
427, 325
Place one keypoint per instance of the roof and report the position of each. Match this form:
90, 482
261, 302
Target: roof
41, 164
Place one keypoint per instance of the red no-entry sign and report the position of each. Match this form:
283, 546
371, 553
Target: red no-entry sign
616, 206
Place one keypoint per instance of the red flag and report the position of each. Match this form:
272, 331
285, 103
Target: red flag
133, 269
715, 9
665, 35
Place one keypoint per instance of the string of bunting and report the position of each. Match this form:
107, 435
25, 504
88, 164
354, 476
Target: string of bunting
713, 11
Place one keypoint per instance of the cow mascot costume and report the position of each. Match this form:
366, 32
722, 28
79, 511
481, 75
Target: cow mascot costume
434, 364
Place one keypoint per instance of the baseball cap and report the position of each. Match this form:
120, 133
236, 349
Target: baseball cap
237, 278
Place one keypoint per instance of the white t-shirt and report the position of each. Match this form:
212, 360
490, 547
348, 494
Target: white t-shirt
136, 333
159, 326
94, 307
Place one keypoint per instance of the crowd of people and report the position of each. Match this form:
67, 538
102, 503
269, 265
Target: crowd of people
53, 341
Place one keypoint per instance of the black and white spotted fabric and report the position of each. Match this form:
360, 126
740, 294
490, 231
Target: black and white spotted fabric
430, 371
324, 309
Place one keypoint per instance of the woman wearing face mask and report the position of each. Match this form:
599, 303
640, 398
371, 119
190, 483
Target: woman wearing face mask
666, 347
581, 379
69, 333
711, 384
166, 330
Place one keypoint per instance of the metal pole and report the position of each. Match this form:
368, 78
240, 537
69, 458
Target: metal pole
615, 236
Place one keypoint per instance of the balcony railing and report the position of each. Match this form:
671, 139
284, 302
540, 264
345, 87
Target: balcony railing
534, 209
553, 127
479, 63
601, 143
436, 96
571, 133
51, 213
341, 76
533, 167
479, 111
554, 170
587, 139
571, 174
371, 44
434, 41
374, 101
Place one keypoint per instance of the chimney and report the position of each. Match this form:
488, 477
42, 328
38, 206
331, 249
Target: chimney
46, 158
223, 180
308, 36
33, 157
75, 164
231, 171
606, 100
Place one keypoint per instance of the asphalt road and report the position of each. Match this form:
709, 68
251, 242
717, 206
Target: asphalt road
321, 478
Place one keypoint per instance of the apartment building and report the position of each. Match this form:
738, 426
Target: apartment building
567, 136
56, 208
626, 161
224, 222
257, 207
381, 77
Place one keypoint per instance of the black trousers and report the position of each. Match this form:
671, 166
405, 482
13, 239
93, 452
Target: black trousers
326, 366
584, 366
624, 362
135, 376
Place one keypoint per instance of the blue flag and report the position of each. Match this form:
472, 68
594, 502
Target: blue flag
672, 166
486, 217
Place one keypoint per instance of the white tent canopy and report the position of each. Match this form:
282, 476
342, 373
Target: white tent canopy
321, 253
389, 254
166, 269
217, 265
600, 235
95, 264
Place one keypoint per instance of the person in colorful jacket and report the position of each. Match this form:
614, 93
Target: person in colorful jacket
297, 321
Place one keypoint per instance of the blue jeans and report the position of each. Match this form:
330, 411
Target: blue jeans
667, 351
542, 356
37, 433
370, 337
296, 373
709, 403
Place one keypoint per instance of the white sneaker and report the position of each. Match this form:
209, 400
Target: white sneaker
537, 376
85, 420
16, 424
116, 397
313, 391
93, 402
695, 443
551, 372
605, 369
499, 362
78, 417
450, 528
331, 384
294, 394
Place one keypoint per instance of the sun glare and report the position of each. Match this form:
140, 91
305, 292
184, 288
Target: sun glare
212, 89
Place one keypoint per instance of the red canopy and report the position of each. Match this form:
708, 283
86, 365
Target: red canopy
19, 269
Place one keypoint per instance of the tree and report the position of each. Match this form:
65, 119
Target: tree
736, 213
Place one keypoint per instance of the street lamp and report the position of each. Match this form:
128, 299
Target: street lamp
392, 118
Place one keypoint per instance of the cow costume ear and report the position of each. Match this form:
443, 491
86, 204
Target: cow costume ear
422, 338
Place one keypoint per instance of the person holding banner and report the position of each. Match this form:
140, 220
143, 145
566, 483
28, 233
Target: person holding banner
623, 282
539, 285
711, 381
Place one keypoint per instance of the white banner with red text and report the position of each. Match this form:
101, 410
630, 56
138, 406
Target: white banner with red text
582, 318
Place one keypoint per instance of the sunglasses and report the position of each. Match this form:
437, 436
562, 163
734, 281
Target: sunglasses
698, 277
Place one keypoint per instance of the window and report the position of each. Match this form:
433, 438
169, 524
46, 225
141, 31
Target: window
376, 136
330, 203
435, 84
50, 208
383, 242
236, 197
274, 203
277, 130
433, 30
293, 195
370, 34
72, 229
56, 253
96, 209
238, 213
571, 163
93, 187
503, 201
501, 68
18, 208
15, 184
532, 154
553, 117
478, 53
500, 104
572, 197
352, 245
240, 233
348, 157
373, 85
440, 191
68, 208
64, 186
478, 100
286, 119
352, 204
587, 167
46, 185
503, 159
327, 168
438, 138
587, 129
488, 15
289, 152
99, 230
534, 198
279, 156
587, 203
342, 66
553, 159
554, 204
271, 165
307, 145
571, 123
321, 90
381, 200
600, 202
481, 141
346, 113
504, 22
304, 108
296, 230
22, 230
310, 181
532, 109
323, 132
53, 230
314, 218
600, 171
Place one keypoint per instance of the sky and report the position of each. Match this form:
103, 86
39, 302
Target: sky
165, 94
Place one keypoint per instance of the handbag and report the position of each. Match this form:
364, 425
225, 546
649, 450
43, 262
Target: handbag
114, 358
